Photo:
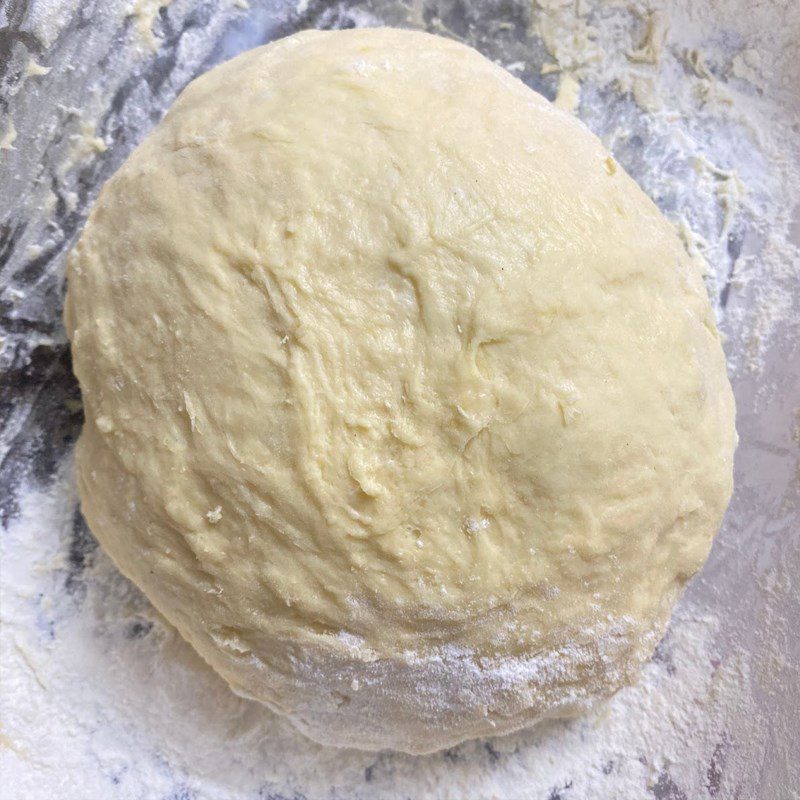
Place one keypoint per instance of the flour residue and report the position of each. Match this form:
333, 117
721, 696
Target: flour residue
699, 102
83, 651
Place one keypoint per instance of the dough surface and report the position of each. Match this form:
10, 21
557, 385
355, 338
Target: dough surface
404, 404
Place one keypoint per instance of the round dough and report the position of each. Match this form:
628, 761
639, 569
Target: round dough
404, 404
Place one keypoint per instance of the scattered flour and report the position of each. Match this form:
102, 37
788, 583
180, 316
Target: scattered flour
103, 698
718, 95
699, 101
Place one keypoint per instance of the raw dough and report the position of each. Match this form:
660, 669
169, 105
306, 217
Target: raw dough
403, 402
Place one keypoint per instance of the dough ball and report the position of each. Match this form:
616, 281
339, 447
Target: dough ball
404, 404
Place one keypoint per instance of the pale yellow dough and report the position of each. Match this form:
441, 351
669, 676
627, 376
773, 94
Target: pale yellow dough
403, 402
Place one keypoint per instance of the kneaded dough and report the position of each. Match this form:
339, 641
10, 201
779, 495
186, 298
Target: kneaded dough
404, 404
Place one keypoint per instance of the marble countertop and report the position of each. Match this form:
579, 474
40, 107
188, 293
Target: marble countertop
100, 698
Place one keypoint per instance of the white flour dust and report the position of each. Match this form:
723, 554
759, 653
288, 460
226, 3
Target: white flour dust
101, 698
715, 89
99, 693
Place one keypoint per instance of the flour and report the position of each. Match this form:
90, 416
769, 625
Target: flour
101, 695
100, 698
740, 213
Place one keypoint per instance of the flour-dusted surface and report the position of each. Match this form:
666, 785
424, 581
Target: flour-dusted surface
99, 698
104, 699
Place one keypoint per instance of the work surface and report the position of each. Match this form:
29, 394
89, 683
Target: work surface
100, 697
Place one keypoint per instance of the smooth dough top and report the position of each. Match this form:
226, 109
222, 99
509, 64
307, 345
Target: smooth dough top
403, 402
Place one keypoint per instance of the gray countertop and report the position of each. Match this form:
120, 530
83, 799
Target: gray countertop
101, 699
